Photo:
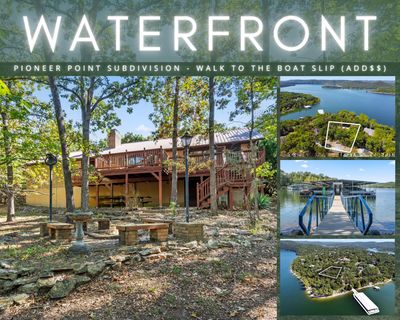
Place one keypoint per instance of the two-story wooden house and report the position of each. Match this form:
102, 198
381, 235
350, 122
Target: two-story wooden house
139, 174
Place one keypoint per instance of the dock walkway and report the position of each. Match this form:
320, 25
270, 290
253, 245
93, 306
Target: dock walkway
337, 222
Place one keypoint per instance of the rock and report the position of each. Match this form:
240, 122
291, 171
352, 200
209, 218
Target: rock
62, 268
25, 280
82, 268
202, 248
243, 232
137, 257
81, 280
215, 232
62, 288
26, 271
6, 302
212, 244
145, 252
120, 258
20, 298
117, 265
46, 274
5, 265
8, 274
155, 250
96, 268
46, 283
110, 263
213, 259
159, 256
8, 286
29, 288
219, 291
191, 244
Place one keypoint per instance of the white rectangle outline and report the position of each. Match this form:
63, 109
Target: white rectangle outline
340, 122
322, 273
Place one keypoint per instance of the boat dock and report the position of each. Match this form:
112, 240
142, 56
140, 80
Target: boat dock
366, 303
337, 221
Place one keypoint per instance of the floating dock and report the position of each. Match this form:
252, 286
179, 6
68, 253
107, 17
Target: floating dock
365, 302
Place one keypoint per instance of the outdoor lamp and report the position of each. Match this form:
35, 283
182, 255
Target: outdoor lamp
186, 139
51, 160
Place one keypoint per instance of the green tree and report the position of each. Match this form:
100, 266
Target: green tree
27, 133
97, 98
180, 106
130, 137
250, 93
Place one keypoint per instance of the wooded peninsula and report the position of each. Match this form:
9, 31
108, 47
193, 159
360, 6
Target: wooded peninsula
352, 268
306, 137
293, 101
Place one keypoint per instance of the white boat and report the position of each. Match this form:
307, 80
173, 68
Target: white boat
307, 107
376, 288
321, 111
368, 306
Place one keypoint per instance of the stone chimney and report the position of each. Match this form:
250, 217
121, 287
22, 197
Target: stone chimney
114, 139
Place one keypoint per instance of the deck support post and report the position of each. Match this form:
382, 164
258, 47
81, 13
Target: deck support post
230, 198
97, 195
112, 195
160, 191
126, 190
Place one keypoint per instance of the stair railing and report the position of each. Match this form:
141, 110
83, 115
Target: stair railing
359, 211
316, 209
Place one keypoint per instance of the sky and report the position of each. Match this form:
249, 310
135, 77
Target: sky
364, 170
359, 78
138, 121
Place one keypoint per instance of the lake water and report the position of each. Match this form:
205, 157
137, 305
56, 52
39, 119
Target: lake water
376, 106
294, 301
383, 208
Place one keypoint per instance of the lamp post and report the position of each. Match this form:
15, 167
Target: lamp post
186, 140
51, 161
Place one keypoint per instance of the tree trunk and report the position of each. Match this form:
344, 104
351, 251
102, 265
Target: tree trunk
174, 182
85, 159
69, 189
10, 170
253, 158
213, 178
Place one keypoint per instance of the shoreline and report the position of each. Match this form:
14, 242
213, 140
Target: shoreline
338, 293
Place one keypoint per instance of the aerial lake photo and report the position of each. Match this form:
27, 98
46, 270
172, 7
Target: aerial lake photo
380, 107
337, 118
297, 256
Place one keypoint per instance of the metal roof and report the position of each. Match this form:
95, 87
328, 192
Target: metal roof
236, 135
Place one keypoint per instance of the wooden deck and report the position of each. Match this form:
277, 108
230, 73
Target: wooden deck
337, 222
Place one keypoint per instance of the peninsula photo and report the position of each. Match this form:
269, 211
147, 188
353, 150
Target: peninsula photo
337, 117
337, 277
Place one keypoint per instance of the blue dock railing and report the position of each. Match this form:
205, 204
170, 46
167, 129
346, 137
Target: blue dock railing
359, 212
314, 211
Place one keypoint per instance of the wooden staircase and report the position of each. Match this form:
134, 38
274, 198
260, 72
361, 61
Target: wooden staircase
227, 178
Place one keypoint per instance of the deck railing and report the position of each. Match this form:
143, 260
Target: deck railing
145, 158
149, 158
314, 212
359, 212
